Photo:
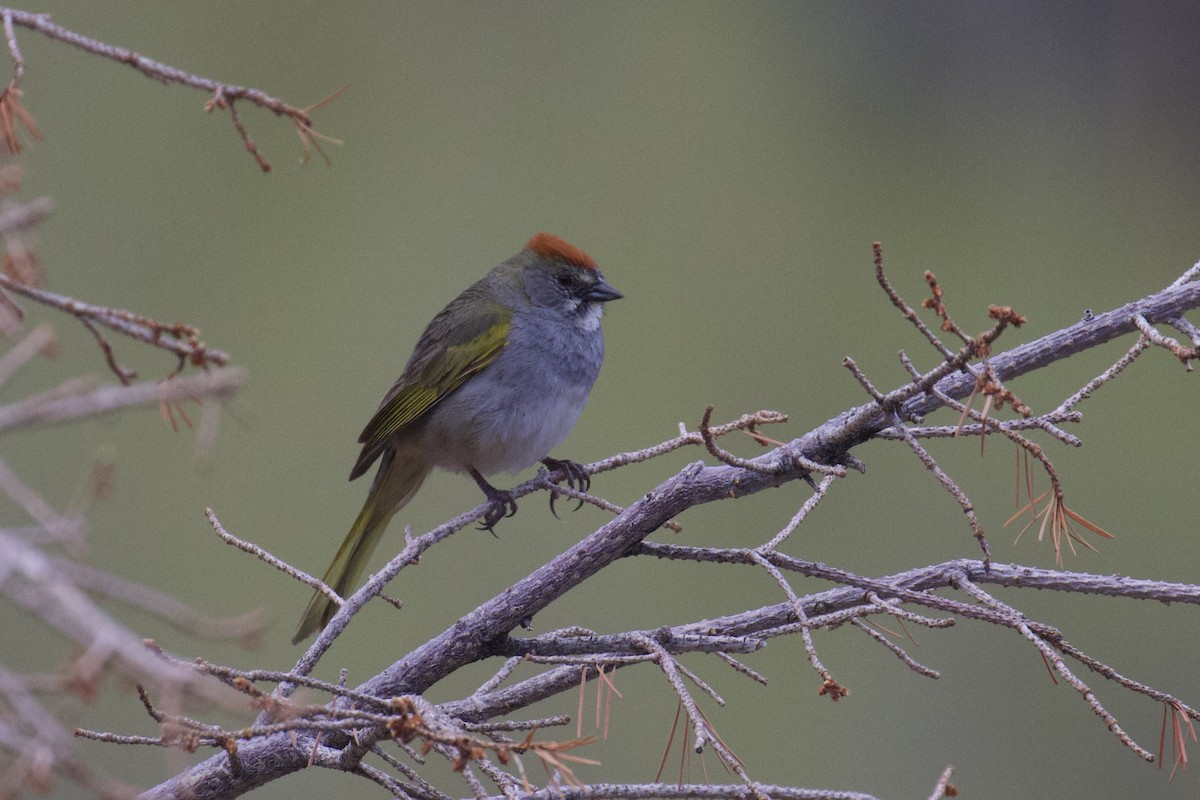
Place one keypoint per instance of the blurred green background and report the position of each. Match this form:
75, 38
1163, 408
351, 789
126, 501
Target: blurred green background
729, 166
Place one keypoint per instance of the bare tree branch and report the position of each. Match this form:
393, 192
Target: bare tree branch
385, 730
82, 398
222, 95
576, 656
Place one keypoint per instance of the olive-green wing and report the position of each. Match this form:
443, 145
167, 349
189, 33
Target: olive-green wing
433, 372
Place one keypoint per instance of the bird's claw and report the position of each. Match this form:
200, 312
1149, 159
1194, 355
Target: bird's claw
500, 505
574, 476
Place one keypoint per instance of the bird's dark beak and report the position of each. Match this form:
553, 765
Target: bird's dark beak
602, 292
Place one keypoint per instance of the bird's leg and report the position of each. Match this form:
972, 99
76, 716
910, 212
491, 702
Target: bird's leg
574, 476
501, 503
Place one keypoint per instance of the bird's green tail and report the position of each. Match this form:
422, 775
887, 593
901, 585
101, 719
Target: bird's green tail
395, 484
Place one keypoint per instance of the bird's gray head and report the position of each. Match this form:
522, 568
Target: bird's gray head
560, 276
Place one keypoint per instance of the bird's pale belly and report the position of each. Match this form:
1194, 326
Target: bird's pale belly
502, 427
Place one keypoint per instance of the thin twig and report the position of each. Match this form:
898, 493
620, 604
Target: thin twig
182, 340
222, 95
1184, 354
77, 399
1052, 657
947, 483
274, 561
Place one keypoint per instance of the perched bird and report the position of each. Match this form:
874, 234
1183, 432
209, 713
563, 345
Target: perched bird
494, 384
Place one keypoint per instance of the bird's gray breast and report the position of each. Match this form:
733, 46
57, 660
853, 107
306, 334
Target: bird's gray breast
524, 404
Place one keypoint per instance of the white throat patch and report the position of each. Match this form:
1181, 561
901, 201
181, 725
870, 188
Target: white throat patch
589, 320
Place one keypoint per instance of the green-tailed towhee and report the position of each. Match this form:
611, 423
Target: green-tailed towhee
494, 384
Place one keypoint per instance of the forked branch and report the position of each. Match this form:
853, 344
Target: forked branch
222, 96
934, 597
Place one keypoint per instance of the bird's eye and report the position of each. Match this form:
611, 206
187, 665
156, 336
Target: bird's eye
565, 281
